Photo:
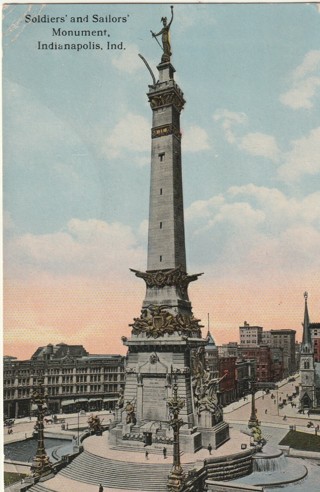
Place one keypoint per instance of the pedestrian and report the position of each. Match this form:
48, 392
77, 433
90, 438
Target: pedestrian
100, 488
147, 455
266, 411
209, 448
308, 413
164, 453
285, 417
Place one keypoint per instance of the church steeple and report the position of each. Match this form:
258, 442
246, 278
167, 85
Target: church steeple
306, 337
307, 395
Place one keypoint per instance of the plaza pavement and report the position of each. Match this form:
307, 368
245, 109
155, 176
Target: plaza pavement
238, 413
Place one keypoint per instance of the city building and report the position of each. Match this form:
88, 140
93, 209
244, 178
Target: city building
212, 356
315, 337
277, 368
228, 349
73, 379
263, 361
227, 386
250, 336
266, 338
242, 377
285, 339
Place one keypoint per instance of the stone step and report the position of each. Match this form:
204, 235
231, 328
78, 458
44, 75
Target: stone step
38, 487
89, 468
92, 469
136, 448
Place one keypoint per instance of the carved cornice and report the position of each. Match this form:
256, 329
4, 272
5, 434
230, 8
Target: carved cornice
161, 278
166, 98
164, 130
156, 321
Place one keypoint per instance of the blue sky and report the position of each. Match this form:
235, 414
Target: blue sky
77, 154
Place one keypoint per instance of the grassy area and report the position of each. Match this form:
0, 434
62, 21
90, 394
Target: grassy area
10, 478
302, 441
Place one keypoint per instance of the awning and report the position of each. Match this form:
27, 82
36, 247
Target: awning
81, 400
110, 399
94, 399
67, 402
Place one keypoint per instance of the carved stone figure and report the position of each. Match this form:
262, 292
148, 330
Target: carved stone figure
204, 387
131, 418
95, 423
120, 401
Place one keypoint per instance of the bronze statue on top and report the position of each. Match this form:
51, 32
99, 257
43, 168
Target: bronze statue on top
165, 37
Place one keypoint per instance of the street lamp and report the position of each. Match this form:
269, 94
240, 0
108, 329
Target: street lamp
176, 477
78, 440
41, 465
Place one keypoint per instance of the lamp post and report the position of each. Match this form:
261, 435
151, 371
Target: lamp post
78, 440
253, 420
41, 466
176, 477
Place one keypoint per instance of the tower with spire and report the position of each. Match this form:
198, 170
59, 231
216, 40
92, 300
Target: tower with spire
166, 348
307, 370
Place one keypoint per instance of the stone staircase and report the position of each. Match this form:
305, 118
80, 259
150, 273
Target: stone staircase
133, 447
38, 487
93, 469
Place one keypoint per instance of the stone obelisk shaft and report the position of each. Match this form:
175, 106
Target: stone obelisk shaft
166, 240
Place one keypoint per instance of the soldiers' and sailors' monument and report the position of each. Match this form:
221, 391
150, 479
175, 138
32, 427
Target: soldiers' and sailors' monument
166, 349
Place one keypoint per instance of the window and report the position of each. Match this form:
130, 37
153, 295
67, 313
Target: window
160, 257
160, 225
160, 191
161, 156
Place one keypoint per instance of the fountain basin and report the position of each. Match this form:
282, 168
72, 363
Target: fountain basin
271, 467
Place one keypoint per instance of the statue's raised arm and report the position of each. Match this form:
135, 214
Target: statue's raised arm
165, 38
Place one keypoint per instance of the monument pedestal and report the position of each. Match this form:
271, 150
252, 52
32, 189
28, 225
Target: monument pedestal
216, 435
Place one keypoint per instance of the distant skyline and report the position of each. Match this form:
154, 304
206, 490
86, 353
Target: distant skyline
76, 138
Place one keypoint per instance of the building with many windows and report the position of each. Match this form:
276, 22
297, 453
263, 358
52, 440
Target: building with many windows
73, 379
250, 336
286, 339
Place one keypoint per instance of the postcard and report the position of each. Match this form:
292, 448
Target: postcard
160, 199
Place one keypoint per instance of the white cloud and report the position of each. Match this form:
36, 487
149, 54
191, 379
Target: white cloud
203, 208
256, 230
305, 83
303, 158
302, 93
260, 144
128, 60
131, 133
238, 214
86, 248
195, 139
254, 143
229, 120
